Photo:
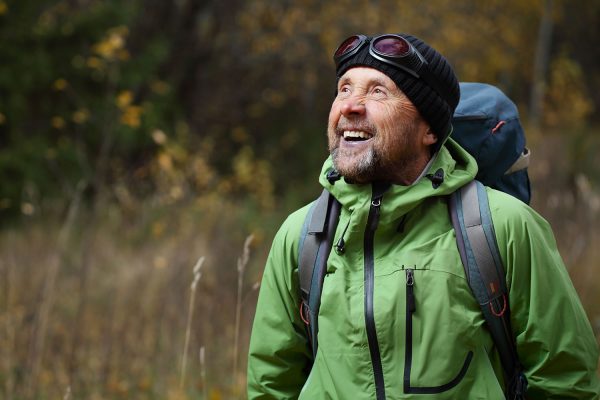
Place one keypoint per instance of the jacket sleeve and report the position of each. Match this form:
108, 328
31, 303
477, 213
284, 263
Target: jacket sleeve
555, 341
279, 357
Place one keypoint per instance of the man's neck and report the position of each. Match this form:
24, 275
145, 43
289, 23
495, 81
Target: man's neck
418, 169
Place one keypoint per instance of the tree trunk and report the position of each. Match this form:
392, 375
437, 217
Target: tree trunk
540, 68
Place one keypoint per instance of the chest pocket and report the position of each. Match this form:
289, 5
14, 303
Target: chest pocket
432, 324
437, 349
441, 322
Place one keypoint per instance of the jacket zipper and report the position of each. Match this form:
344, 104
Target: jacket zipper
372, 222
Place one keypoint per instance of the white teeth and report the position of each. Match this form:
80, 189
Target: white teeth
356, 134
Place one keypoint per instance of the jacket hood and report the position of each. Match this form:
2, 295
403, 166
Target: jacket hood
451, 168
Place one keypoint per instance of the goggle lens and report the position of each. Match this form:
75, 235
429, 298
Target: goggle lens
347, 45
391, 46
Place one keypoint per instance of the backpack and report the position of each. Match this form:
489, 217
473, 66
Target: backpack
486, 124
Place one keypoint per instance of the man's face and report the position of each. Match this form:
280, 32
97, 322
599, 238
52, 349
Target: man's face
374, 131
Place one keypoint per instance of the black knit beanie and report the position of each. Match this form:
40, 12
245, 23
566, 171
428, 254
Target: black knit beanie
436, 108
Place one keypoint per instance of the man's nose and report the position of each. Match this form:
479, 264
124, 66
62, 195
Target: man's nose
353, 106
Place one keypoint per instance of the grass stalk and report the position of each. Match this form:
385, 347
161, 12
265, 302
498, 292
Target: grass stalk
203, 374
197, 273
6, 319
67, 395
241, 267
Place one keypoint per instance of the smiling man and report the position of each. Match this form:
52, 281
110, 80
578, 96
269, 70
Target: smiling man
397, 319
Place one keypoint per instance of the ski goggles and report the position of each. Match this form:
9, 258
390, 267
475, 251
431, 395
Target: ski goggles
393, 50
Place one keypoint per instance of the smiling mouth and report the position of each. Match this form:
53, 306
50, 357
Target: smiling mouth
356, 136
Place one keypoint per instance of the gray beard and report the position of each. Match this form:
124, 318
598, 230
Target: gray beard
363, 169
371, 167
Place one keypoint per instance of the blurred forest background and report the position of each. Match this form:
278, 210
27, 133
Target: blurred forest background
138, 136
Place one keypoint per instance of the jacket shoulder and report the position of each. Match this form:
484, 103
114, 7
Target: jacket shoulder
521, 234
508, 212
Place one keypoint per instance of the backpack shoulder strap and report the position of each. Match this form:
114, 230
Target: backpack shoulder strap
315, 244
476, 241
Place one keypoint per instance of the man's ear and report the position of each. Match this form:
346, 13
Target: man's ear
429, 137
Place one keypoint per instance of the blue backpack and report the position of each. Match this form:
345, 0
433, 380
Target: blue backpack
486, 123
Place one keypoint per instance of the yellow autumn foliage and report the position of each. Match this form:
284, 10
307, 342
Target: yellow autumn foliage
131, 116
112, 44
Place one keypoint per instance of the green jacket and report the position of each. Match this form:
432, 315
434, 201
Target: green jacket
367, 339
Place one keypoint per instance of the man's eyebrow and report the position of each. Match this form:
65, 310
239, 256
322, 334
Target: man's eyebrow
378, 82
343, 81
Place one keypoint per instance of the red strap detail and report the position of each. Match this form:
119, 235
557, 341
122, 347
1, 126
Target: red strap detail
501, 313
304, 319
498, 126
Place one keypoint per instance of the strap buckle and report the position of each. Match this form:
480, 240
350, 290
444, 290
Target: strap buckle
303, 313
500, 313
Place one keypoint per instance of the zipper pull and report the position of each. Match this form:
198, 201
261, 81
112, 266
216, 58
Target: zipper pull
376, 204
340, 246
410, 297
375, 208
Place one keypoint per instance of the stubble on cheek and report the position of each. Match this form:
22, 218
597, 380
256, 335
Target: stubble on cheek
401, 127
333, 140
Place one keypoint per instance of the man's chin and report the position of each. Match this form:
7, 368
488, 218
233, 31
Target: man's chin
353, 169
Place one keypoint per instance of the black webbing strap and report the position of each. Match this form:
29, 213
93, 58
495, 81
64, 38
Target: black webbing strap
316, 244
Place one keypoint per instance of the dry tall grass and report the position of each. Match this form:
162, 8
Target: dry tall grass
118, 331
